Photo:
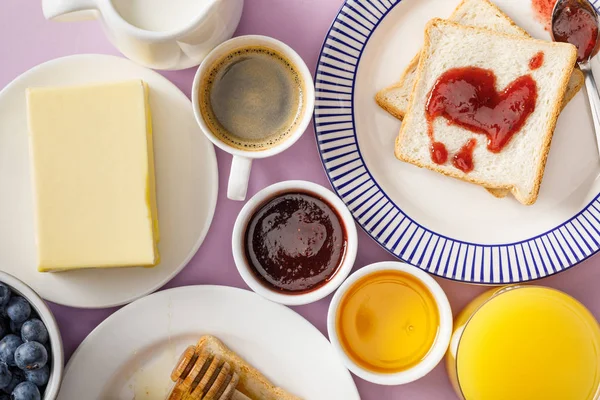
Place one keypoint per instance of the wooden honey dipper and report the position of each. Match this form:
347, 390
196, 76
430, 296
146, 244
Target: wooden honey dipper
201, 376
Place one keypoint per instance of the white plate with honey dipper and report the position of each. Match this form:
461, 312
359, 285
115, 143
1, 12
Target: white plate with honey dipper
197, 338
390, 100
109, 185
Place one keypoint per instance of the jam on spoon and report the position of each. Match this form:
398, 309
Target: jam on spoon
576, 22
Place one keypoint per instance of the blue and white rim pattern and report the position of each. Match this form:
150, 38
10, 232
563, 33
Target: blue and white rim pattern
556, 250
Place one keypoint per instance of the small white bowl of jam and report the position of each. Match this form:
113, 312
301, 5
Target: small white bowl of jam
294, 242
390, 322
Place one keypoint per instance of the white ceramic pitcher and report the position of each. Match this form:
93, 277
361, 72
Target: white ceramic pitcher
160, 34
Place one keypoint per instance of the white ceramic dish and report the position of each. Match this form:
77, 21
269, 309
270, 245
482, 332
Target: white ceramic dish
134, 350
57, 363
186, 175
435, 355
447, 227
260, 199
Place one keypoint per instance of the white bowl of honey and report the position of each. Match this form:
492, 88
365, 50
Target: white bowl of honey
390, 322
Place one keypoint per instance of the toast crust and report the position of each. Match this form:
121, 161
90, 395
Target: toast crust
382, 96
547, 137
574, 85
498, 11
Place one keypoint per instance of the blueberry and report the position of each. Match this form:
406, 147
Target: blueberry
26, 391
15, 327
5, 294
8, 346
18, 309
4, 327
5, 375
17, 377
31, 355
38, 376
48, 350
34, 330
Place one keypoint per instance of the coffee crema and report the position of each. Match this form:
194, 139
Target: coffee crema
252, 98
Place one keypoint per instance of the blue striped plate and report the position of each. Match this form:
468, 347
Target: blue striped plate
444, 226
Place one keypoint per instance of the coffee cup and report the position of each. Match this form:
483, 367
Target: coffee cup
253, 97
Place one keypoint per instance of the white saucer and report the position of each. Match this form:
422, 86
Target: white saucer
186, 174
131, 354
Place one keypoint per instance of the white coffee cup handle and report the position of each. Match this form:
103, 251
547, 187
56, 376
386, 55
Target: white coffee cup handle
71, 10
239, 177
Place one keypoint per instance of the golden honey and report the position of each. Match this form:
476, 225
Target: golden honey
387, 321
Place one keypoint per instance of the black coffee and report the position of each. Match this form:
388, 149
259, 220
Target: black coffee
252, 99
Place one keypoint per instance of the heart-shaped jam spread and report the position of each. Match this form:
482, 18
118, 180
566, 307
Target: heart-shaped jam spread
467, 97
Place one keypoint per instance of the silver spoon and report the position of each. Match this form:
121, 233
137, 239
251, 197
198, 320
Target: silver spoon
584, 59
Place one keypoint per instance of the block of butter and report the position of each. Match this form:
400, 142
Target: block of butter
93, 176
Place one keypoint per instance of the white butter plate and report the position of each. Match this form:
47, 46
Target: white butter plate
444, 226
130, 355
186, 175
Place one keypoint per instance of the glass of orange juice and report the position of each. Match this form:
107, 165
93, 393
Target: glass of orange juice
525, 343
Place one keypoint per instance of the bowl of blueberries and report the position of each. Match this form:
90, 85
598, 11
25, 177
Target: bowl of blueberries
31, 350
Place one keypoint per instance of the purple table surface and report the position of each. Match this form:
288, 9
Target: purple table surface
26, 39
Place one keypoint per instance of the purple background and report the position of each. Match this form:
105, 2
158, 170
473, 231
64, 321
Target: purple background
26, 40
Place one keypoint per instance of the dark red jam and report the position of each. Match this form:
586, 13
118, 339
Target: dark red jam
467, 97
576, 25
295, 243
463, 160
542, 10
536, 61
439, 154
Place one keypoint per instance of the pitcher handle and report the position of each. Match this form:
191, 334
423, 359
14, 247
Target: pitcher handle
72, 10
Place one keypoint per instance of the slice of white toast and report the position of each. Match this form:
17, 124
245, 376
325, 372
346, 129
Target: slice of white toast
252, 382
519, 167
479, 13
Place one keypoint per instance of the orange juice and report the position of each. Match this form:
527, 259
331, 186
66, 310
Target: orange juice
387, 321
525, 343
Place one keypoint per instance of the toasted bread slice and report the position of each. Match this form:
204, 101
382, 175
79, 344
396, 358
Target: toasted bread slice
519, 167
479, 13
252, 383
